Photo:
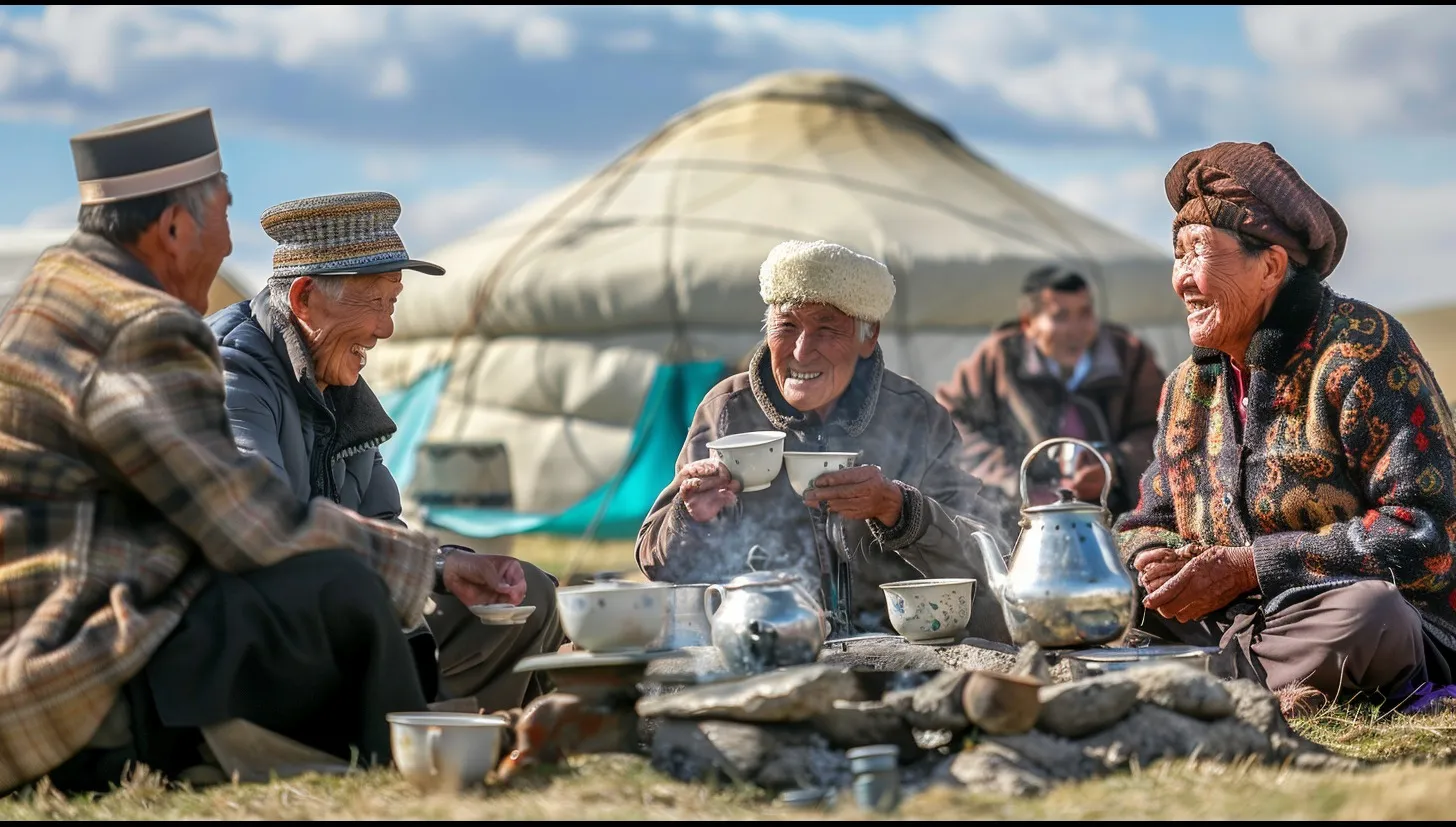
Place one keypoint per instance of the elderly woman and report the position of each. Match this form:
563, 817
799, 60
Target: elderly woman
1301, 505
820, 377
292, 358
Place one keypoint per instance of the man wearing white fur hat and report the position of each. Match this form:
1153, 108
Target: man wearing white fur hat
820, 377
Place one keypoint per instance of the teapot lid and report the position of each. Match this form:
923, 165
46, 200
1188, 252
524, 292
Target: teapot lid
1067, 502
763, 578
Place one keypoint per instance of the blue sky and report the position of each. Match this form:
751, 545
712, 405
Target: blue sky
466, 112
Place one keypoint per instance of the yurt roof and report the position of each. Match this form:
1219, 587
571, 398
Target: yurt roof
671, 234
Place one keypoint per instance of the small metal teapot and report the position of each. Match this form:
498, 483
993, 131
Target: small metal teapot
763, 620
1065, 584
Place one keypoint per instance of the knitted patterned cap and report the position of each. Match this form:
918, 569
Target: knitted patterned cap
820, 272
349, 234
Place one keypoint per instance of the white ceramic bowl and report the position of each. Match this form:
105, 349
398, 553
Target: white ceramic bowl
615, 616
753, 458
803, 467
445, 750
932, 610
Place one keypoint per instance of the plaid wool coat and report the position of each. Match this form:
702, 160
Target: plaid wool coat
121, 491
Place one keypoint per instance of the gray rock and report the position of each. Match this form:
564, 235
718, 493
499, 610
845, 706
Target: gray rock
1019, 765
1257, 707
1080, 708
771, 756
935, 704
851, 724
1149, 733
787, 695
1183, 689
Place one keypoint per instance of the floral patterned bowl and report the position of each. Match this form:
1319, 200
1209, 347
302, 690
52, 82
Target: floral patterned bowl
930, 611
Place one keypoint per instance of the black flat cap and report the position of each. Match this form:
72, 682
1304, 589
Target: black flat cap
146, 156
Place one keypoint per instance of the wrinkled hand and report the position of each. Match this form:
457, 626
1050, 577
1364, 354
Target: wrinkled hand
706, 488
485, 578
858, 493
1206, 583
1155, 565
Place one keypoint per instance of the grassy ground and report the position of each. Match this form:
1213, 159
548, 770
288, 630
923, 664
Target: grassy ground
1411, 777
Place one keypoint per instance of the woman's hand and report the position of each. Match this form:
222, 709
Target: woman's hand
1206, 583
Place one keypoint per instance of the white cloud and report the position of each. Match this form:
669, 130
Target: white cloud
58, 216
478, 75
1400, 246
629, 40
393, 80
1130, 199
1361, 68
441, 216
544, 38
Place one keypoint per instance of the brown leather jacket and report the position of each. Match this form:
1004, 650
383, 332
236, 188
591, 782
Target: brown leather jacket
895, 424
1005, 401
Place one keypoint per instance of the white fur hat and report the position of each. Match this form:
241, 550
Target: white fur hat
819, 272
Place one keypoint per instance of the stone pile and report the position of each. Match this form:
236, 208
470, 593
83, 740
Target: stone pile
790, 728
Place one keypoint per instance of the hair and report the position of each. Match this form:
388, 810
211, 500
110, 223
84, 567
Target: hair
1253, 246
863, 328
1051, 278
123, 222
278, 290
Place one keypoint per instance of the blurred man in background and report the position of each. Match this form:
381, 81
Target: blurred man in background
1056, 371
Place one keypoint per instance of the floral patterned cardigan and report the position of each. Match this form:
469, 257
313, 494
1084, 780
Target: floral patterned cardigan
1342, 470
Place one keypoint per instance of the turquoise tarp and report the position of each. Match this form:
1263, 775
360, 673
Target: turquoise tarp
613, 511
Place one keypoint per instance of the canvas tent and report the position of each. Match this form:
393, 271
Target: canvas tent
21, 246
532, 357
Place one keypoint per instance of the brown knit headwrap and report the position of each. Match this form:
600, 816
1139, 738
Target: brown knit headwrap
1249, 189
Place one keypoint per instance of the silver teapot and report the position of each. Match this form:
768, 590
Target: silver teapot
764, 620
1064, 584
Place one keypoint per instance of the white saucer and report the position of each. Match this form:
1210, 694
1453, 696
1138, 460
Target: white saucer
502, 614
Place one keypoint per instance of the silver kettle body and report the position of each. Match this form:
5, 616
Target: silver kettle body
764, 620
1064, 583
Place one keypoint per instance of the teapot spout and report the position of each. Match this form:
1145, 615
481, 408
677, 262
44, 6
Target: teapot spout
993, 557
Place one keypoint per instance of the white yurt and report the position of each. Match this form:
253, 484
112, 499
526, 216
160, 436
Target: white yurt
554, 323
21, 246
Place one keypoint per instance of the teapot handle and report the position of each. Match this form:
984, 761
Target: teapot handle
1026, 464
713, 591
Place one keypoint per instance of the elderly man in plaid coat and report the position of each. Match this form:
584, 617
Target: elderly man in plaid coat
153, 580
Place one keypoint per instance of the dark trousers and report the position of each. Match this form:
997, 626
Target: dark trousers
1359, 639
309, 648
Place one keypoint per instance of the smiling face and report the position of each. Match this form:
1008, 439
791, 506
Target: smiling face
812, 352
1225, 290
341, 331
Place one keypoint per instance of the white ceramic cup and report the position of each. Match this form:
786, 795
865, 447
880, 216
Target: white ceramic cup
803, 467
615, 616
445, 750
753, 458
932, 609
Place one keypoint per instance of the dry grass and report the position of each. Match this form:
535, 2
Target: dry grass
1410, 779
564, 557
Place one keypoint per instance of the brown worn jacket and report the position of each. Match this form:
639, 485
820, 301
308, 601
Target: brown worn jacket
895, 424
1005, 401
